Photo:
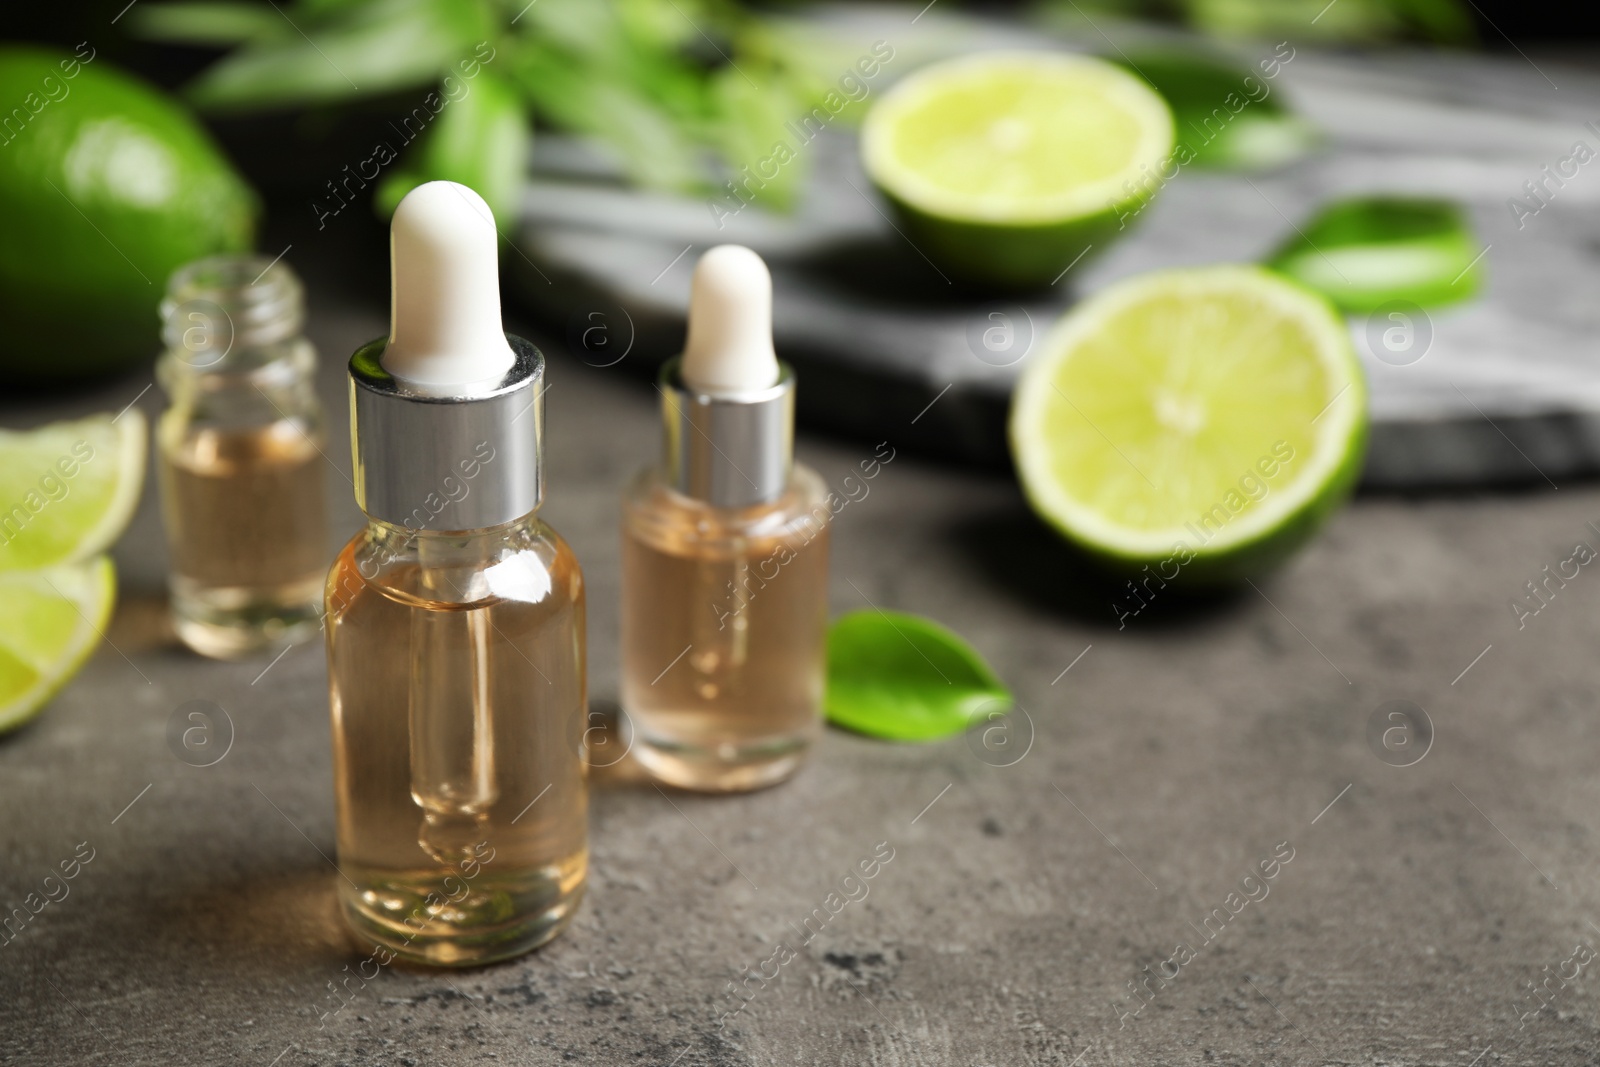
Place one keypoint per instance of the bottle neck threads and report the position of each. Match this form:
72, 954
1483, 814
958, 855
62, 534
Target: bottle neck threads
219, 312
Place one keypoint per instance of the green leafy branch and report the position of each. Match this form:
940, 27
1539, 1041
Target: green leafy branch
681, 90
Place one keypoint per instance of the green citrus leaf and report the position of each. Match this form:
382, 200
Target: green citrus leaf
213, 23
481, 139
372, 49
905, 678
1365, 252
1440, 20
1229, 117
753, 110
1355, 21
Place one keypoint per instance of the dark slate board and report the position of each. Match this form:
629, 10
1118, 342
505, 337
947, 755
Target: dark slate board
1508, 389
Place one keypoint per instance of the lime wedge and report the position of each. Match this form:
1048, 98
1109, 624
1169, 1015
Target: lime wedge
1007, 166
53, 620
1202, 421
67, 490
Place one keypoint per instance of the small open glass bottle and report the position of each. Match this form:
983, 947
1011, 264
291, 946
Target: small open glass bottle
725, 555
240, 458
455, 622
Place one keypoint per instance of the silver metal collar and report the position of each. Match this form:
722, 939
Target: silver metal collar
729, 451
443, 462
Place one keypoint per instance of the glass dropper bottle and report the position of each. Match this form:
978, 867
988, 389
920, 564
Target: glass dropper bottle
455, 622
240, 457
725, 555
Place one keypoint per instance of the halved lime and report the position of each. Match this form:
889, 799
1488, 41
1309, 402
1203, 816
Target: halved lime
1200, 421
53, 619
1006, 167
68, 489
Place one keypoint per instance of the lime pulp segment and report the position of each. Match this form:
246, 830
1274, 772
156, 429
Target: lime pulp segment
1197, 407
53, 620
1017, 138
67, 490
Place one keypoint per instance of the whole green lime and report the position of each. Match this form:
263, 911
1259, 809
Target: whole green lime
106, 187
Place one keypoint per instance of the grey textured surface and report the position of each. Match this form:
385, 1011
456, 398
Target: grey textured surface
860, 307
1172, 757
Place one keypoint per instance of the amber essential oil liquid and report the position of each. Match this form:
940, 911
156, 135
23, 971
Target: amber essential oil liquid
724, 620
246, 528
456, 668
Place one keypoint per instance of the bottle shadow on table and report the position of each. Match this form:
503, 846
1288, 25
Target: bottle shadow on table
608, 747
1018, 553
279, 917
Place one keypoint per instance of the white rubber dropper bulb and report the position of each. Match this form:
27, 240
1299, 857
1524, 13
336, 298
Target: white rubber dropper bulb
730, 324
444, 261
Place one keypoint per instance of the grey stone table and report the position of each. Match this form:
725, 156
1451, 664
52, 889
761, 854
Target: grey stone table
1164, 762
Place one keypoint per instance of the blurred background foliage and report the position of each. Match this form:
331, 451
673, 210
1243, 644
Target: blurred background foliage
679, 94
682, 92
671, 86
